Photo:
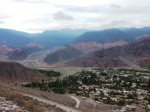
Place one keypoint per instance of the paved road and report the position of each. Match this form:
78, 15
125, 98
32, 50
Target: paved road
66, 108
77, 101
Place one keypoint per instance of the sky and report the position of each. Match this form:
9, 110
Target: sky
38, 15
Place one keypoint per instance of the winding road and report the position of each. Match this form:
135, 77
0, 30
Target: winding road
44, 100
66, 108
77, 101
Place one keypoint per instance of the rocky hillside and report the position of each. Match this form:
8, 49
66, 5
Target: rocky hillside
138, 49
15, 72
100, 58
72, 51
9, 106
139, 52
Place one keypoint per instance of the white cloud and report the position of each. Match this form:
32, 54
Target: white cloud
39, 15
61, 16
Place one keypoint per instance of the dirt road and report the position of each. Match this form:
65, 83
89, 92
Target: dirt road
66, 108
77, 101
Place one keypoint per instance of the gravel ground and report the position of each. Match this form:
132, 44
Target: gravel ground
9, 106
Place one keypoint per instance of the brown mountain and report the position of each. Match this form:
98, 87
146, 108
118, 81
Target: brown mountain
144, 62
138, 49
139, 52
100, 58
64, 54
15, 72
72, 51
134, 54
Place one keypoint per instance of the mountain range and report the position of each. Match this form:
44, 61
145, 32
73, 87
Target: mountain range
17, 45
55, 38
113, 35
79, 47
136, 54
11, 39
47, 39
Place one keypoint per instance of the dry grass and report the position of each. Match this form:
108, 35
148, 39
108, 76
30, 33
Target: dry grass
26, 102
62, 99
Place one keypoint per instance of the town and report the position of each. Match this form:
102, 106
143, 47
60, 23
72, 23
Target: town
125, 88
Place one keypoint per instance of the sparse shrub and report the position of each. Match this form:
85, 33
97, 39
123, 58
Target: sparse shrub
59, 90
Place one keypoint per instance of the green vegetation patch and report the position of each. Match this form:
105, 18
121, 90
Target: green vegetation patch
50, 73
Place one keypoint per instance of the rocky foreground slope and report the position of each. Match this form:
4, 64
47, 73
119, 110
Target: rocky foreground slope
9, 106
